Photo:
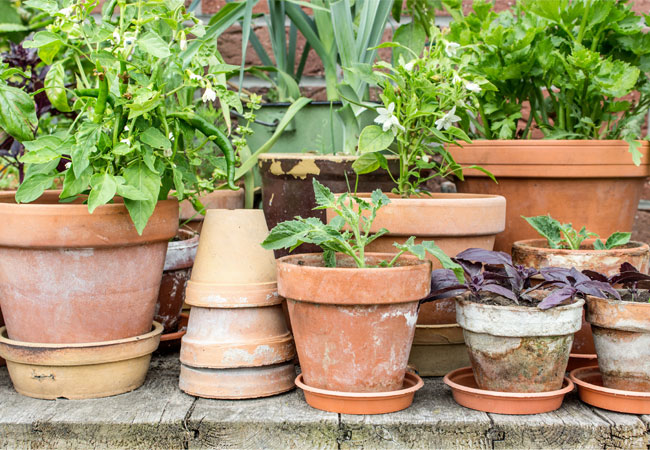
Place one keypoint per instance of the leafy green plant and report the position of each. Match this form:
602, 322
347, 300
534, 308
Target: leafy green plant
574, 63
130, 81
428, 102
563, 235
348, 232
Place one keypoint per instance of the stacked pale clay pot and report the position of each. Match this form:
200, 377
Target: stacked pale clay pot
237, 343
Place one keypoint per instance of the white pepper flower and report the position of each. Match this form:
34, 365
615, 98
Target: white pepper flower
116, 36
68, 165
456, 79
388, 120
409, 65
67, 12
447, 120
209, 95
450, 48
168, 153
126, 141
194, 76
183, 41
473, 87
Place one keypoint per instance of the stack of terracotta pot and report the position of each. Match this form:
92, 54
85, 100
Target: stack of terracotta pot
237, 343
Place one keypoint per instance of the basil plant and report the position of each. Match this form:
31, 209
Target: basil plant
132, 82
429, 101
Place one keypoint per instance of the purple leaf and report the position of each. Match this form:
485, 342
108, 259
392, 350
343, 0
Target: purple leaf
556, 274
500, 290
485, 256
558, 296
472, 269
597, 289
596, 276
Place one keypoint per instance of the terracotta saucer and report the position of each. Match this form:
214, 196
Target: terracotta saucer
578, 360
171, 342
592, 391
466, 393
362, 402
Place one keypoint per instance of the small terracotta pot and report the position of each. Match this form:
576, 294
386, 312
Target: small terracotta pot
176, 272
535, 253
622, 337
552, 177
467, 394
68, 276
287, 189
438, 349
366, 319
222, 199
518, 348
237, 343
79, 371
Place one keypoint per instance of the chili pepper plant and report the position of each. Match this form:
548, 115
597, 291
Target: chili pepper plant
133, 80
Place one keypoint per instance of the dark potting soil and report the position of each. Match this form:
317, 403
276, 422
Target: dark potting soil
639, 296
533, 299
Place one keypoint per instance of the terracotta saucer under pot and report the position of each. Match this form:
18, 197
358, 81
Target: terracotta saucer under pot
171, 342
592, 392
466, 393
578, 360
362, 402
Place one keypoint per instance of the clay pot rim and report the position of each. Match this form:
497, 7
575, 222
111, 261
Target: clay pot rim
266, 285
4, 340
439, 197
313, 156
537, 245
613, 301
562, 142
177, 334
575, 374
289, 260
567, 386
438, 326
418, 383
583, 356
579, 303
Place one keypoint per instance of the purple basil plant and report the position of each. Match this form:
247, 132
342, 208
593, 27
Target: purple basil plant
494, 272
628, 277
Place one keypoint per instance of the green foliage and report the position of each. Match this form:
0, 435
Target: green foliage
571, 61
564, 236
348, 232
429, 100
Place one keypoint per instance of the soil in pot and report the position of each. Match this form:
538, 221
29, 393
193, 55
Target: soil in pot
69, 276
622, 338
517, 348
287, 185
179, 260
366, 319
577, 181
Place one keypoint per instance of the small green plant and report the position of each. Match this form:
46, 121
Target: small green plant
348, 232
564, 236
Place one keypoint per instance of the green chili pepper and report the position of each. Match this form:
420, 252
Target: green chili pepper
210, 130
102, 94
108, 11
94, 93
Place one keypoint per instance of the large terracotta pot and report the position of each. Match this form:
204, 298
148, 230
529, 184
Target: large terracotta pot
178, 267
222, 199
580, 182
68, 276
353, 327
518, 348
535, 253
622, 337
287, 189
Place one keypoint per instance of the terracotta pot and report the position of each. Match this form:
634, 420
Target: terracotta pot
535, 253
178, 267
67, 276
438, 349
622, 337
222, 199
80, 370
580, 182
467, 394
287, 189
237, 343
455, 222
366, 319
518, 348
2, 323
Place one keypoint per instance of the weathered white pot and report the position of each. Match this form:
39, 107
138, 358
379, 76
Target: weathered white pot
518, 348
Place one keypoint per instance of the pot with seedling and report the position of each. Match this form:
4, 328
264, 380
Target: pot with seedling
564, 246
621, 327
561, 133
518, 334
83, 265
366, 305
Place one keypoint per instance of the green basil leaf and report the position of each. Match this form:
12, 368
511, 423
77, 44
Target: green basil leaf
17, 113
54, 87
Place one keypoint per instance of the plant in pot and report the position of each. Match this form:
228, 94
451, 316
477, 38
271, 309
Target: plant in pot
518, 334
574, 74
95, 249
621, 328
353, 313
563, 246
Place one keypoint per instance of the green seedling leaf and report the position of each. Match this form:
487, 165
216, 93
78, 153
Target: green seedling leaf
548, 228
324, 197
617, 239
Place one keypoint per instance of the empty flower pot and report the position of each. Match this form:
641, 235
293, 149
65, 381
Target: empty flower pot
68, 276
178, 267
79, 370
353, 327
221, 199
237, 343
518, 348
622, 337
